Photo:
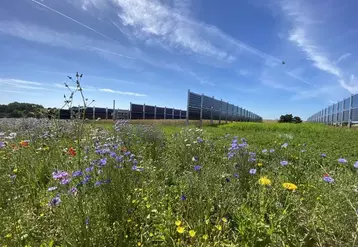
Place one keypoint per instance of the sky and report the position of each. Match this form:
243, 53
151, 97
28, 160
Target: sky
153, 51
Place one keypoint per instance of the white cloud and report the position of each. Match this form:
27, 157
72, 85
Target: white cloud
107, 90
344, 56
17, 82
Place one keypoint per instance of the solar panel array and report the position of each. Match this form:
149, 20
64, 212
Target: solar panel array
345, 111
154, 112
91, 113
203, 107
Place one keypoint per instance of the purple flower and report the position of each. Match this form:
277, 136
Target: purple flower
134, 168
64, 181
135, 162
251, 159
236, 175
86, 179
103, 162
55, 201
284, 145
328, 179
98, 183
323, 155
59, 175
195, 158
200, 140
52, 188
89, 169
112, 154
183, 197
119, 158
73, 190
356, 165
284, 163
2, 145
107, 181
252, 171
87, 220
132, 156
252, 154
77, 173
127, 153
197, 168
342, 160
264, 151
272, 150
230, 155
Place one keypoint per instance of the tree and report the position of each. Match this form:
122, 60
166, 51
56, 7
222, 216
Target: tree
297, 119
288, 118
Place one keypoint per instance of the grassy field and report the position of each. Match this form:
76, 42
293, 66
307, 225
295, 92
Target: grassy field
238, 184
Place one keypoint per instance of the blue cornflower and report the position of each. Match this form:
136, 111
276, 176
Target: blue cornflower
272, 150
103, 162
86, 179
127, 153
119, 158
55, 201
342, 161
112, 154
73, 190
252, 154
328, 179
323, 155
77, 173
200, 140
284, 163
236, 175
64, 181
118, 167
52, 188
135, 162
89, 169
284, 145
98, 183
251, 159
134, 167
264, 151
252, 171
59, 175
183, 197
197, 168
230, 155
356, 165
87, 220
2, 145
132, 156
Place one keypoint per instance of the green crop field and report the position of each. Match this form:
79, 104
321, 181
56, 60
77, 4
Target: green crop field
238, 184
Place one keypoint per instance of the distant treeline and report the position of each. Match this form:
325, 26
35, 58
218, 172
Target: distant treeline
21, 110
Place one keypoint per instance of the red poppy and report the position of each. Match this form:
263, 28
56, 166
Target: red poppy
71, 151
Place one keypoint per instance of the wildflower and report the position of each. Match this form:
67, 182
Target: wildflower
89, 169
2, 144
284, 163
135, 162
64, 181
119, 158
289, 186
323, 155
103, 162
86, 179
52, 188
195, 158
236, 175
9, 235
98, 183
328, 178
252, 171
356, 165
177, 222
303, 150
87, 220
127, 153
264, 181
192, 233
219, 227
264, 151
139, 244
252, 159
59, 175
183, 197
224, 220
73, 190
342, 160
252, 154
284, 145
272, 150
12, 177
199, 140
197, 168
71, 151
112, 154
77, 173
55, 201
205, 236
24, 143
180, 229
259, 164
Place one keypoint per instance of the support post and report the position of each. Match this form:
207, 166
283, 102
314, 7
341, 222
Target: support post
143, 111
350, 111
187, 109
227, 111
114, 110
155, 112
221, 109
94, 113
180, 114
106, 113
211, 116
201, 109
130, 110
165, 112
173, 114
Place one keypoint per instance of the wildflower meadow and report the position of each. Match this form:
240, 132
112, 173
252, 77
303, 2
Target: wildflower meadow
83, 183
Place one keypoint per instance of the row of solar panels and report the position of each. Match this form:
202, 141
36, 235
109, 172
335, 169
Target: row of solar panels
98, 113
210, 108
339, 112
153, 112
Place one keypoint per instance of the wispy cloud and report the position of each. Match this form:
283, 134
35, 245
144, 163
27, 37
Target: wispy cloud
18, 92
107, 90
17, 81
344, 56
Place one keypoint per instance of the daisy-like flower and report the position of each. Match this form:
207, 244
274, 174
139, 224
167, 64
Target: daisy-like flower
180, 229
177, 222
192, 233
252, 171
290, 186
264, 181
356, 165
284, 163
342, 161
328, 179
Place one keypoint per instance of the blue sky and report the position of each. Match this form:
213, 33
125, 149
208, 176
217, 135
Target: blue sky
153, 51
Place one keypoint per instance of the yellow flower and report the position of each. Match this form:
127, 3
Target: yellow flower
9, 235
15, 170
259, 164
151, 234
180, 229
139, 244
264, 181
192, 233
289, 186
205, 237
177, 222
224, 220
219, 227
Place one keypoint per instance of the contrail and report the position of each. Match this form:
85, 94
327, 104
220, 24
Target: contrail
110, 52
70, 18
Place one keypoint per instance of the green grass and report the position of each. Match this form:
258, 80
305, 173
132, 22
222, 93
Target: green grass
182, 191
